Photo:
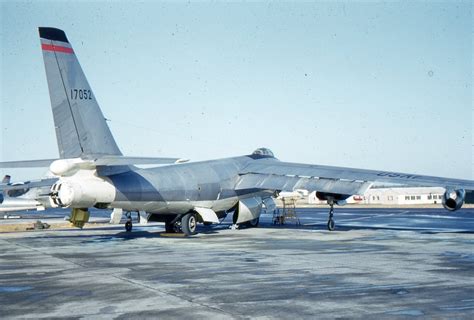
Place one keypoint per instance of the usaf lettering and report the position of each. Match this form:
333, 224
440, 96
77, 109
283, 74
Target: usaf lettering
397, 175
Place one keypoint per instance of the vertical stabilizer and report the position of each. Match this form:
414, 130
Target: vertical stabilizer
81, 129
6, 179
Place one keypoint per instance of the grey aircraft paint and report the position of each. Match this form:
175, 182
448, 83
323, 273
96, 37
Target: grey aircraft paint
93, 171
179, 188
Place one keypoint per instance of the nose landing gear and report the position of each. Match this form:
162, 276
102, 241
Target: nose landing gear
331, 224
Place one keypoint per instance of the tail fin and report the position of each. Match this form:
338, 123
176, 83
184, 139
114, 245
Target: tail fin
81, 129
6, 179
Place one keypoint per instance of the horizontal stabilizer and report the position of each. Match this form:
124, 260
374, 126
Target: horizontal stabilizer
102, 161
44, 163
121, 160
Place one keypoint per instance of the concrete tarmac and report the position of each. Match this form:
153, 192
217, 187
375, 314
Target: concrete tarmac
379, 263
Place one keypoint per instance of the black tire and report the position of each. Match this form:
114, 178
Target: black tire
331, 225
189, 224
128, 226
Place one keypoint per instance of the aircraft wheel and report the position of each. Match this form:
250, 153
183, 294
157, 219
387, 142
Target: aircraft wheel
331, 225
128, 226
189, 224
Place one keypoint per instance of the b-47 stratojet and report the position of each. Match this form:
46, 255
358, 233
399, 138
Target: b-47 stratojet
92, 172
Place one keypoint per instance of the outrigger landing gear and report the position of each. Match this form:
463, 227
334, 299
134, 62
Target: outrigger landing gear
128, 223
331, 224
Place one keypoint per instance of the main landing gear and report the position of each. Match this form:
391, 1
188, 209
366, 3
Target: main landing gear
186, 224
331, 223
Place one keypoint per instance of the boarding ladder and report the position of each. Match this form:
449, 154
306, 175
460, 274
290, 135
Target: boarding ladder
287, 213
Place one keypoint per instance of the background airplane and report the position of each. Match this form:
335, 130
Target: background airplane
20, 197
92, 172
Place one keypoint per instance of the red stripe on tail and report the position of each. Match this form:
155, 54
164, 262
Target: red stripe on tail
51, 47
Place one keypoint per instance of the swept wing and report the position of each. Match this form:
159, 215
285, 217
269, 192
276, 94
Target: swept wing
273, 174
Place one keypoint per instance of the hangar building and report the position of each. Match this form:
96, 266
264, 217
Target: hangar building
393, 196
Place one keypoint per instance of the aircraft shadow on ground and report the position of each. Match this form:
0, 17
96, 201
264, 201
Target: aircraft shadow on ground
122, 235
322, 227
142, 232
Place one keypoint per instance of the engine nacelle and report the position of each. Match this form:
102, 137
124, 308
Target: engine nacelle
333, 198
453, 199
84, 193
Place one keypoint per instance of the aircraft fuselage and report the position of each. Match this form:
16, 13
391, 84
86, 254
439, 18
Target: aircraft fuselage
179, 188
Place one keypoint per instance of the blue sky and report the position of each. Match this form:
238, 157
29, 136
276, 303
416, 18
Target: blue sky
368, 85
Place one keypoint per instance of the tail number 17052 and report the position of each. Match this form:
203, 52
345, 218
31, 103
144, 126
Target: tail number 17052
81, 94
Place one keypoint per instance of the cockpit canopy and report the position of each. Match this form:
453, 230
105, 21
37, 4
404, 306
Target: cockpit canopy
263, 152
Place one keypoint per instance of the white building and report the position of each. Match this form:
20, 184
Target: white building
404, 195
394, 195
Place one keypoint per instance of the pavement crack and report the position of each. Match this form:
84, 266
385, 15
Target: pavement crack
189, 300
136, 283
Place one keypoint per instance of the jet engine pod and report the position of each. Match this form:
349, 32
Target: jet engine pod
453, 199
81, 194
334, 198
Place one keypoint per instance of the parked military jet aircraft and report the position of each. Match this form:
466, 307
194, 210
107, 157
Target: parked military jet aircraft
92, 172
